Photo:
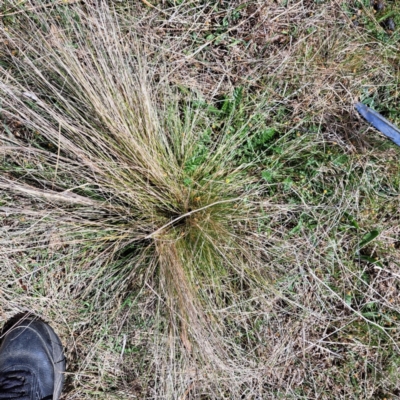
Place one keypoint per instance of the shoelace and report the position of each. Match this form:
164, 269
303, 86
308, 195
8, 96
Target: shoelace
17, 385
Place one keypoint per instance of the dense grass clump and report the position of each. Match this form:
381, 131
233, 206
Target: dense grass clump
128, 170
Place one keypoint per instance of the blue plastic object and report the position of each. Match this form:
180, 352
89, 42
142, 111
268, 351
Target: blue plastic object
380, 123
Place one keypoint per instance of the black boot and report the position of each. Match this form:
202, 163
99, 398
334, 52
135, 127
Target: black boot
32, 363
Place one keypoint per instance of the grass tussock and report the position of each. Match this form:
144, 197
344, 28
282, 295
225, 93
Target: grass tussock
137, 176
189, 198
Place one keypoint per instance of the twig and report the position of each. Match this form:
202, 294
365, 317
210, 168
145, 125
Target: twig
58, 154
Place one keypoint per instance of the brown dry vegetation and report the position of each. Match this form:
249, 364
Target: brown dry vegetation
259, 289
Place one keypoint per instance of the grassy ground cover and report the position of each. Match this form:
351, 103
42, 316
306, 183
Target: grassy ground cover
189, 197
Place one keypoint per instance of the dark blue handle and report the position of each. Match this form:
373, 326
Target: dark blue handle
380, 123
